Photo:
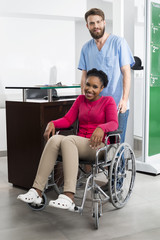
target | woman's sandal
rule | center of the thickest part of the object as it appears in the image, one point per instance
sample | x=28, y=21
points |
x=30, y=197
x=64, y=202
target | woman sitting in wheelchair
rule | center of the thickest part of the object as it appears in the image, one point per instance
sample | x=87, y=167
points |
x=96, y=116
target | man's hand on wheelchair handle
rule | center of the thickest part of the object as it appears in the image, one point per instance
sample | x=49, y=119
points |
x=96, y=138
x=122, y=106
x=50, y=129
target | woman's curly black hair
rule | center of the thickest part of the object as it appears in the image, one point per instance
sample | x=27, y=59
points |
x=100, y=74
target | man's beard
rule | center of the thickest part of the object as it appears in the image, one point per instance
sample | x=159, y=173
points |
x=97, y=35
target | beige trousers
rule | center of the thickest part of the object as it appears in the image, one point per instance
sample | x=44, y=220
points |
x=71, y=148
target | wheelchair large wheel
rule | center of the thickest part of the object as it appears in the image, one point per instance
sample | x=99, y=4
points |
x=122, y=175
x=39, y=207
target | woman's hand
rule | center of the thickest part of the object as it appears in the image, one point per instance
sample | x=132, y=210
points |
x=50, y=129
x=96, y=138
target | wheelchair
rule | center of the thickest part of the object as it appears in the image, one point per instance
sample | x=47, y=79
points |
x=116, y=162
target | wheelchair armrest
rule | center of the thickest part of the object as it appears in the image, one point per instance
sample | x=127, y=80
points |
x=118, y=131
x=66, y=131
x=113, y=136
x=72, y=130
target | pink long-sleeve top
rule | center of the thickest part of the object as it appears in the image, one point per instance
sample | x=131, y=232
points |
x=100, y=113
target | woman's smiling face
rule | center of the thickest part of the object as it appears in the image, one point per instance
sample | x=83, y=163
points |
x=93, y=87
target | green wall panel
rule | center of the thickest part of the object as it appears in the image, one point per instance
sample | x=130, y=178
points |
x=155, y=14
x=155, y=35
x=155, y=60
x=154, y=106
x=154, y=121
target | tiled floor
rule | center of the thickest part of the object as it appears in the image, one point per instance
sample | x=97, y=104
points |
x=138, y=220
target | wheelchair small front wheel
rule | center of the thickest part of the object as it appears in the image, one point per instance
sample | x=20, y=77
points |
x=96, y=210
x=96, y=215
x=41, y=206
x=122, y=175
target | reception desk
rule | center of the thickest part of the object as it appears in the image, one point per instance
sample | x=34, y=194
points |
x=26, y=122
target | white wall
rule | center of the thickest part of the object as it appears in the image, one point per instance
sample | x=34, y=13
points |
x=105, y=5
x=139, y=83
x=129, y=16
x=139, y=78
x=82, y=35
x=31, y=47
x=118, y=16
x=36, y=35
x=50, y=8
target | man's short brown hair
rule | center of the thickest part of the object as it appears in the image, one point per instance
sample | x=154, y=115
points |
x=94, y=11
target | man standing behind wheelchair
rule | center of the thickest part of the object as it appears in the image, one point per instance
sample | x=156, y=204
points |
x=96, y=116
x=111, y=54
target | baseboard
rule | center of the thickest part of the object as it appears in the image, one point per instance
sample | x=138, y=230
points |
x=3, y=153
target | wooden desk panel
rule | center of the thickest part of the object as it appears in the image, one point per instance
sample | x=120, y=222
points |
x=26, y=122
